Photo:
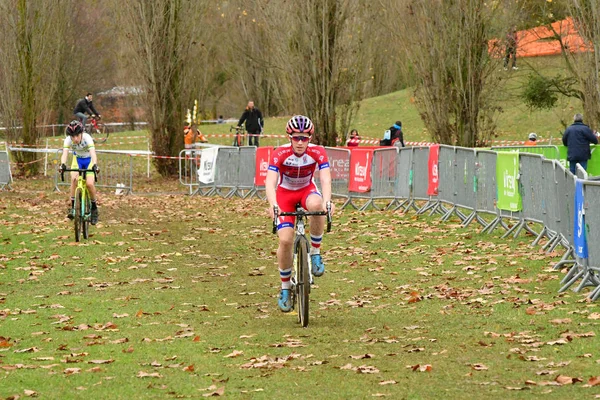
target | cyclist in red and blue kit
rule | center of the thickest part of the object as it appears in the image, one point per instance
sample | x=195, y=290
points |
x=289, y=182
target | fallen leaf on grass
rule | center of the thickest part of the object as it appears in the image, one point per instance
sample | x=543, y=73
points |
x=28, y=350
x=101, y=361
x=30, y=393
x=420, y=368
x=391, y=382
x=189, y=368
x=71, y=371
x=233, y=354
x=219, y=392
x=561, y=321
x=594, y=380
x=362, y=356
x=567, y=380
x=143, y=374
x=479, y=367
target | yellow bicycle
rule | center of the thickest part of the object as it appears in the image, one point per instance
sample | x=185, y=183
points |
x=83, y=202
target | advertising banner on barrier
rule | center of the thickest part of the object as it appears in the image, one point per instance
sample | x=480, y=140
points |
x=263, y=155
x=208, y=162
x=434, y=176
x=593, y=167
x=360, y=170
x=507, y=180
x=579, y=236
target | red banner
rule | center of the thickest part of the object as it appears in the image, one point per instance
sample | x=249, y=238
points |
x=434, y=178
x=360, y=170
x=263, y=156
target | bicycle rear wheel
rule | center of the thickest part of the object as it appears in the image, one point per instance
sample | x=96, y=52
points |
x=303, y=284
x=101, y=134
x=78, y=216
x=85, y=223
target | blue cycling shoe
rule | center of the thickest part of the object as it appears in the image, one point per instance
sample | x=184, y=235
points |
x=285, y=300
x=318, y=268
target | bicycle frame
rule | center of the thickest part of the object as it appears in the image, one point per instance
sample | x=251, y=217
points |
x=82, y=202
x=303, y=277
x=240, y=136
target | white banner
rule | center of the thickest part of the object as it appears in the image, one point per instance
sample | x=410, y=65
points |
x=208, y=162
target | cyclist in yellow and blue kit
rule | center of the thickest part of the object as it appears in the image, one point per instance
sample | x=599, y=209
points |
x=84, y=157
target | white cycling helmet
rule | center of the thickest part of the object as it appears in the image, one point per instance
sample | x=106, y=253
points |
x=532, y=136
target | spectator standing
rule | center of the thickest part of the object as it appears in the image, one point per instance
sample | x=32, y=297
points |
x=577, y=138
x=220, y=120
x=396, y=134
x=189, y=137
x=84, y=106
x=354, y=139
x=531, y=139
x=254, y=123
x=511, y=48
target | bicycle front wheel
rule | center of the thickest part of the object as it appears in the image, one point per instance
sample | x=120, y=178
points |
x=87, y=211
x=77, y=221
x=303, y=284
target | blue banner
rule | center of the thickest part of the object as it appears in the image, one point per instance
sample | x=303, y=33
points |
x=579, y=236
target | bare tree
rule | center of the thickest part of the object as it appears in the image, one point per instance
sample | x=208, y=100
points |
x=446, y=44
x=585, y=65
x=326, y=61
x=28, y=52
x=163, y=44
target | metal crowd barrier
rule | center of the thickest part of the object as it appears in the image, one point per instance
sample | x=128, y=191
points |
x=116, y=172
x=226, y=172
x=246, y=172
x=468, y=188
x=549, y=152
x=420, y=176
x=404, y=180
x=5, y=174
x=383, y=177
x=339, y=163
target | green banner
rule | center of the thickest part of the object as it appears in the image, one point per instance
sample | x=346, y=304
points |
x=593, y=168
x=549, y=152
x=507, y=181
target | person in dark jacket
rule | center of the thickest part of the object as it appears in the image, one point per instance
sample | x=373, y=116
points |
x=396, y=134
x=577, y=138
x=254, y=123
x=84, y=106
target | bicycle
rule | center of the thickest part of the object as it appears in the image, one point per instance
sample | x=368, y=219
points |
x=302, y=276
x=98, y=130
x=240, y=135
x=83, y=203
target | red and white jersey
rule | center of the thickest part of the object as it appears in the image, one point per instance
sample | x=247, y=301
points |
x=296, y=172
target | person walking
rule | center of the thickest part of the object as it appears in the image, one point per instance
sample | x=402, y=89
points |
x=577, y=138
x=254, y=123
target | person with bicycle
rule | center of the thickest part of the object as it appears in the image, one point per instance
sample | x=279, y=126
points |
x=289, y=182
x=84, y=157
x=84, y=106
x=254, y=123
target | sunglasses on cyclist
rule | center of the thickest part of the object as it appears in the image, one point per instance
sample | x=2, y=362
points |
x=300, y=138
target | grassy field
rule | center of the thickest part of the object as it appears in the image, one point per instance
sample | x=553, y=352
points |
x=175, y=297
